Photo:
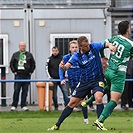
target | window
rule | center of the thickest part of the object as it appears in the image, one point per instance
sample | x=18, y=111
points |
x=62, y=41
x=3, y=50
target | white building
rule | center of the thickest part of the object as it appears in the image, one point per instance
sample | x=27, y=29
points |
x=45, y=23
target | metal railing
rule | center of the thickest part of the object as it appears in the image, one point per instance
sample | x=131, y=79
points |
x=3, y=88
x=39, y=80
x=3, y=99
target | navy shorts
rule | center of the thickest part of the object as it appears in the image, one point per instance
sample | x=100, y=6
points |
x=82, y=89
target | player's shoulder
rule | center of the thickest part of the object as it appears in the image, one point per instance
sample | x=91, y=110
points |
x=96, y=44
x=131, y=42
x=75, y=55
x=67, y=56
x=128, y=40
x=112, y=38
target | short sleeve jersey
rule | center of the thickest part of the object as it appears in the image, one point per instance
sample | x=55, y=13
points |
x=119, y=59
x=90, y=63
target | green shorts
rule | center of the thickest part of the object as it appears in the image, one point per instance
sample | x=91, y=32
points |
x=115, y=80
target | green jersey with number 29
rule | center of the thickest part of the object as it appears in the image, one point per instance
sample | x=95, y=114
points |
x=119, y=59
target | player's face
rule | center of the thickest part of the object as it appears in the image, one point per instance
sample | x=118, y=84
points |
x=73, y=48
x=129, y=30
x=85, y=47
x=55, y=51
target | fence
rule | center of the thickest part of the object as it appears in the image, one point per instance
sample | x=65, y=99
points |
x=3, y=89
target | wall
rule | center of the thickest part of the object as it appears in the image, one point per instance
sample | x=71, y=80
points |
x=37, y=36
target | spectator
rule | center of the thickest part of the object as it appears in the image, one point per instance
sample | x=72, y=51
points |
x=22, y=64
x=128, y=90
x=52, y=70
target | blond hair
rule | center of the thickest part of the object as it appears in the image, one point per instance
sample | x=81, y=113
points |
x=73, y=41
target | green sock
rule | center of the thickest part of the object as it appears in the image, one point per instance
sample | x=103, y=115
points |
x=91, y=99
x=107, y=111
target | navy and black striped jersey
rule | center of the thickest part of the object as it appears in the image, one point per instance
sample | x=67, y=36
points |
x=73, y=72
x=90, y=63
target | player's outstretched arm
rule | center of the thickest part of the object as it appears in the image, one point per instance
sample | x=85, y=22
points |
x=110, y=46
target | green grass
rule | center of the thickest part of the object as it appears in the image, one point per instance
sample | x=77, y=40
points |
x=39, y=121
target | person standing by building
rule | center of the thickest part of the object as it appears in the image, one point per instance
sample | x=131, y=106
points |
x=52, y=70
x=22, y=64
x=116, y=71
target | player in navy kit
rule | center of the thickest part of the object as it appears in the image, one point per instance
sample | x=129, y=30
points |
x=91, y=76
x=73, y=74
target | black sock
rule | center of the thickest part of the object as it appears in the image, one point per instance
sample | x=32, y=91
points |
x=99, y=109
x=85, y=112
x=66, y=112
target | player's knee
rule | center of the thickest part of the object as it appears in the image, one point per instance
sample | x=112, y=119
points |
x=98, y=100
x=72, y=104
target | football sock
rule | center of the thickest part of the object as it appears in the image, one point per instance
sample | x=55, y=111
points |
x=91, y=99
x=107, y=111
x=85, y=112
x=99, y=109
x=66, y=112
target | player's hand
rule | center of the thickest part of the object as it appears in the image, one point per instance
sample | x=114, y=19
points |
x=104, y=60
x=104, y=64
x=62, y=65
x=112, y=48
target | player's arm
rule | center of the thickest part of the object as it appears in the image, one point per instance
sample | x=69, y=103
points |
x=102, y=53
x=110, y=46
x=61, y=73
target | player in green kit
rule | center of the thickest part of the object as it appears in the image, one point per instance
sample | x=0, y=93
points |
x=116, y=71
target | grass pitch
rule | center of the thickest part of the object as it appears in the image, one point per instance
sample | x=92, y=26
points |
x=39, y=121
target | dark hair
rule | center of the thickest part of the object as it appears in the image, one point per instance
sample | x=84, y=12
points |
x=54, y=47
x=123, y=27
x=82, y=39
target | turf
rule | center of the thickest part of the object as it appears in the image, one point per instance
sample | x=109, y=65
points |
x=39, y=121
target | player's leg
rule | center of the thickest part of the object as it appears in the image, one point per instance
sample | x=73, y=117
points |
x=115, y=96
x=84, y=109
x=92, y=98
x=66, y=112
x=78, y=94
x=117, y=87
x=99, y=104
x=88, y=101
x=85, y=113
